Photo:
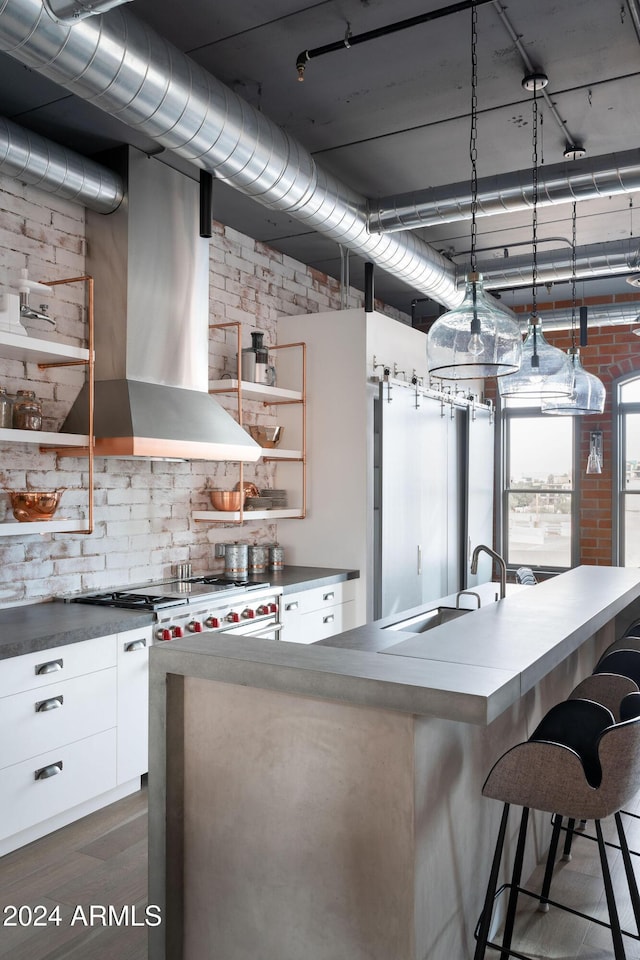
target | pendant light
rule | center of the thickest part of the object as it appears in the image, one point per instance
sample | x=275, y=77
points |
x=545, y=371
x=588, y=395
x=476, y=339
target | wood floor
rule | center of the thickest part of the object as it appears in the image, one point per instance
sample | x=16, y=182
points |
x=102, y=860
x=99, y=860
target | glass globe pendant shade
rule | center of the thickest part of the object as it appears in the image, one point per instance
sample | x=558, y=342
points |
x=545, y=371
x=475, y=340
x=588, y=394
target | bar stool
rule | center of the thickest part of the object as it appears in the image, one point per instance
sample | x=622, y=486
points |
x=616, y=674
x=581, y=764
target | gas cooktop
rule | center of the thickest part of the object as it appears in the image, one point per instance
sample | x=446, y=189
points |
x=171, y=593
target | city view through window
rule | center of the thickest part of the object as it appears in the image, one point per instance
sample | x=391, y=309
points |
x=540, y=490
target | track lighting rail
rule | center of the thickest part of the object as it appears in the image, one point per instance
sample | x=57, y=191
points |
x=350, y=40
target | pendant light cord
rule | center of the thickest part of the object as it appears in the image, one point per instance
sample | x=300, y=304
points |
x=473, y=144
x=473, y=156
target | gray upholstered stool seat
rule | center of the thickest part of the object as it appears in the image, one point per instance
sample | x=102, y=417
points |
x=580, y=764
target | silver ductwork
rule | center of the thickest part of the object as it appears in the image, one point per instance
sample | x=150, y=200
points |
x=151, y=273
x=33, y=159
x=126, y=69
x=599, y=315
x=70, y=11
x=592, y=260
x=558, y=183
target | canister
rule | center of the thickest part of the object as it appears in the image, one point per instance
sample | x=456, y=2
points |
x=276, y=557
x=236, y=560
x=27, y=411
x=258, y=557
x=6, y=413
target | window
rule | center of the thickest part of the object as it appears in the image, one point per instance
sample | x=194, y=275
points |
x=539, y=496
x=629, y=473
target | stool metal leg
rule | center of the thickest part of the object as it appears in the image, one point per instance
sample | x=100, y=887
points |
x=487, y=910
x=551, y=862
x=628, y=869
x=515, y=883
x=616, y=934
x=568, y=840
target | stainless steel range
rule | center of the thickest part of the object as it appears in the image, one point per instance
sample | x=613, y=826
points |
x=200, y=605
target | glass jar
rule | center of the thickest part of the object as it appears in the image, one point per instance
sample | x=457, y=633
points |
x=6, y=415
x=27, y=411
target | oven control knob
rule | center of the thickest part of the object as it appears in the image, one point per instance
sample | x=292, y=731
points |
x=163, y=634
x=262, y=609
x=233, y=617
x=248, y=614
x=178, y=632
x=195, y=626
x=212, y=622
x=273, y=608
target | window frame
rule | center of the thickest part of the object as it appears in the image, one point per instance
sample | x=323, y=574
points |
x=620, y=410
x=507, y=414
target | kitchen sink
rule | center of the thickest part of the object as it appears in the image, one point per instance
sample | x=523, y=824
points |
x=428, y=619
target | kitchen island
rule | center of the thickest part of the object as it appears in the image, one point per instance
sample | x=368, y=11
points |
x=325, y=801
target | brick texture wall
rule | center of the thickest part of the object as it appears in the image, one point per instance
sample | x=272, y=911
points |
x=143, y=509
x=612, y=352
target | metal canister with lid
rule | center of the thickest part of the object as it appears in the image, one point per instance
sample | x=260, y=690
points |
x=258, y=556
x=236, y=560
x=6, y=414
x=276, y=557
x=27, y=411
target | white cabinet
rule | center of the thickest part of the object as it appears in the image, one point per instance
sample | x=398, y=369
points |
x=79, y=731
x=133, y=703
x=320, y=612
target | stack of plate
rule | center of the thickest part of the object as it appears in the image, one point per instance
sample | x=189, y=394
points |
x=278, y=498
x=258, y=503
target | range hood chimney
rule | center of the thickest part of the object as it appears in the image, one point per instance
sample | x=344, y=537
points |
x=151, y=272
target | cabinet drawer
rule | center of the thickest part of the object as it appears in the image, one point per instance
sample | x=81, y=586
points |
x=318, y=598
x=87, y=769
x=34, y=670
x=60, y=713
x=320, y=624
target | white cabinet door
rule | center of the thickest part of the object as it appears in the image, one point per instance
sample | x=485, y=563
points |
x=438, y=493
x=133, y=703
x=402, y=544
x=480, y=492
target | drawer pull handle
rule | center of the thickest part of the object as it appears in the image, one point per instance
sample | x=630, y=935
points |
x=291, y=606
x=329, y=619
x=135, y=645
x=328, y=596
x=52, y=666
x=52, y=770
x=53, y=703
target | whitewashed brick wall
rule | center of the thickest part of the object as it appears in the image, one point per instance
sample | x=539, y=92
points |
x=143, y=508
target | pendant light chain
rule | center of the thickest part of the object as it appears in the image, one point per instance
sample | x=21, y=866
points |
x=573, y=276
x=534, y=195
x=473, y=144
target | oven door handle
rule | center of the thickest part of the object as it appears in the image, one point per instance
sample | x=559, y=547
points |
x=263, y=633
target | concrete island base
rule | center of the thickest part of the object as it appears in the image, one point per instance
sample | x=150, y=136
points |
x=291, y=826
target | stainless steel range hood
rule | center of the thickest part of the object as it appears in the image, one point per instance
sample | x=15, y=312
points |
x=151, y=272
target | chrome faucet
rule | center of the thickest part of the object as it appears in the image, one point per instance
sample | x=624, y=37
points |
x=496, y=556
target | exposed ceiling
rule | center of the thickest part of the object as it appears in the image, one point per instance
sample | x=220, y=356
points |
x=392, y=115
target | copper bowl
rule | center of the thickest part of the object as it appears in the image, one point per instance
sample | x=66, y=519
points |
x=226, y=499
x=266, y=436
x=29, y=505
